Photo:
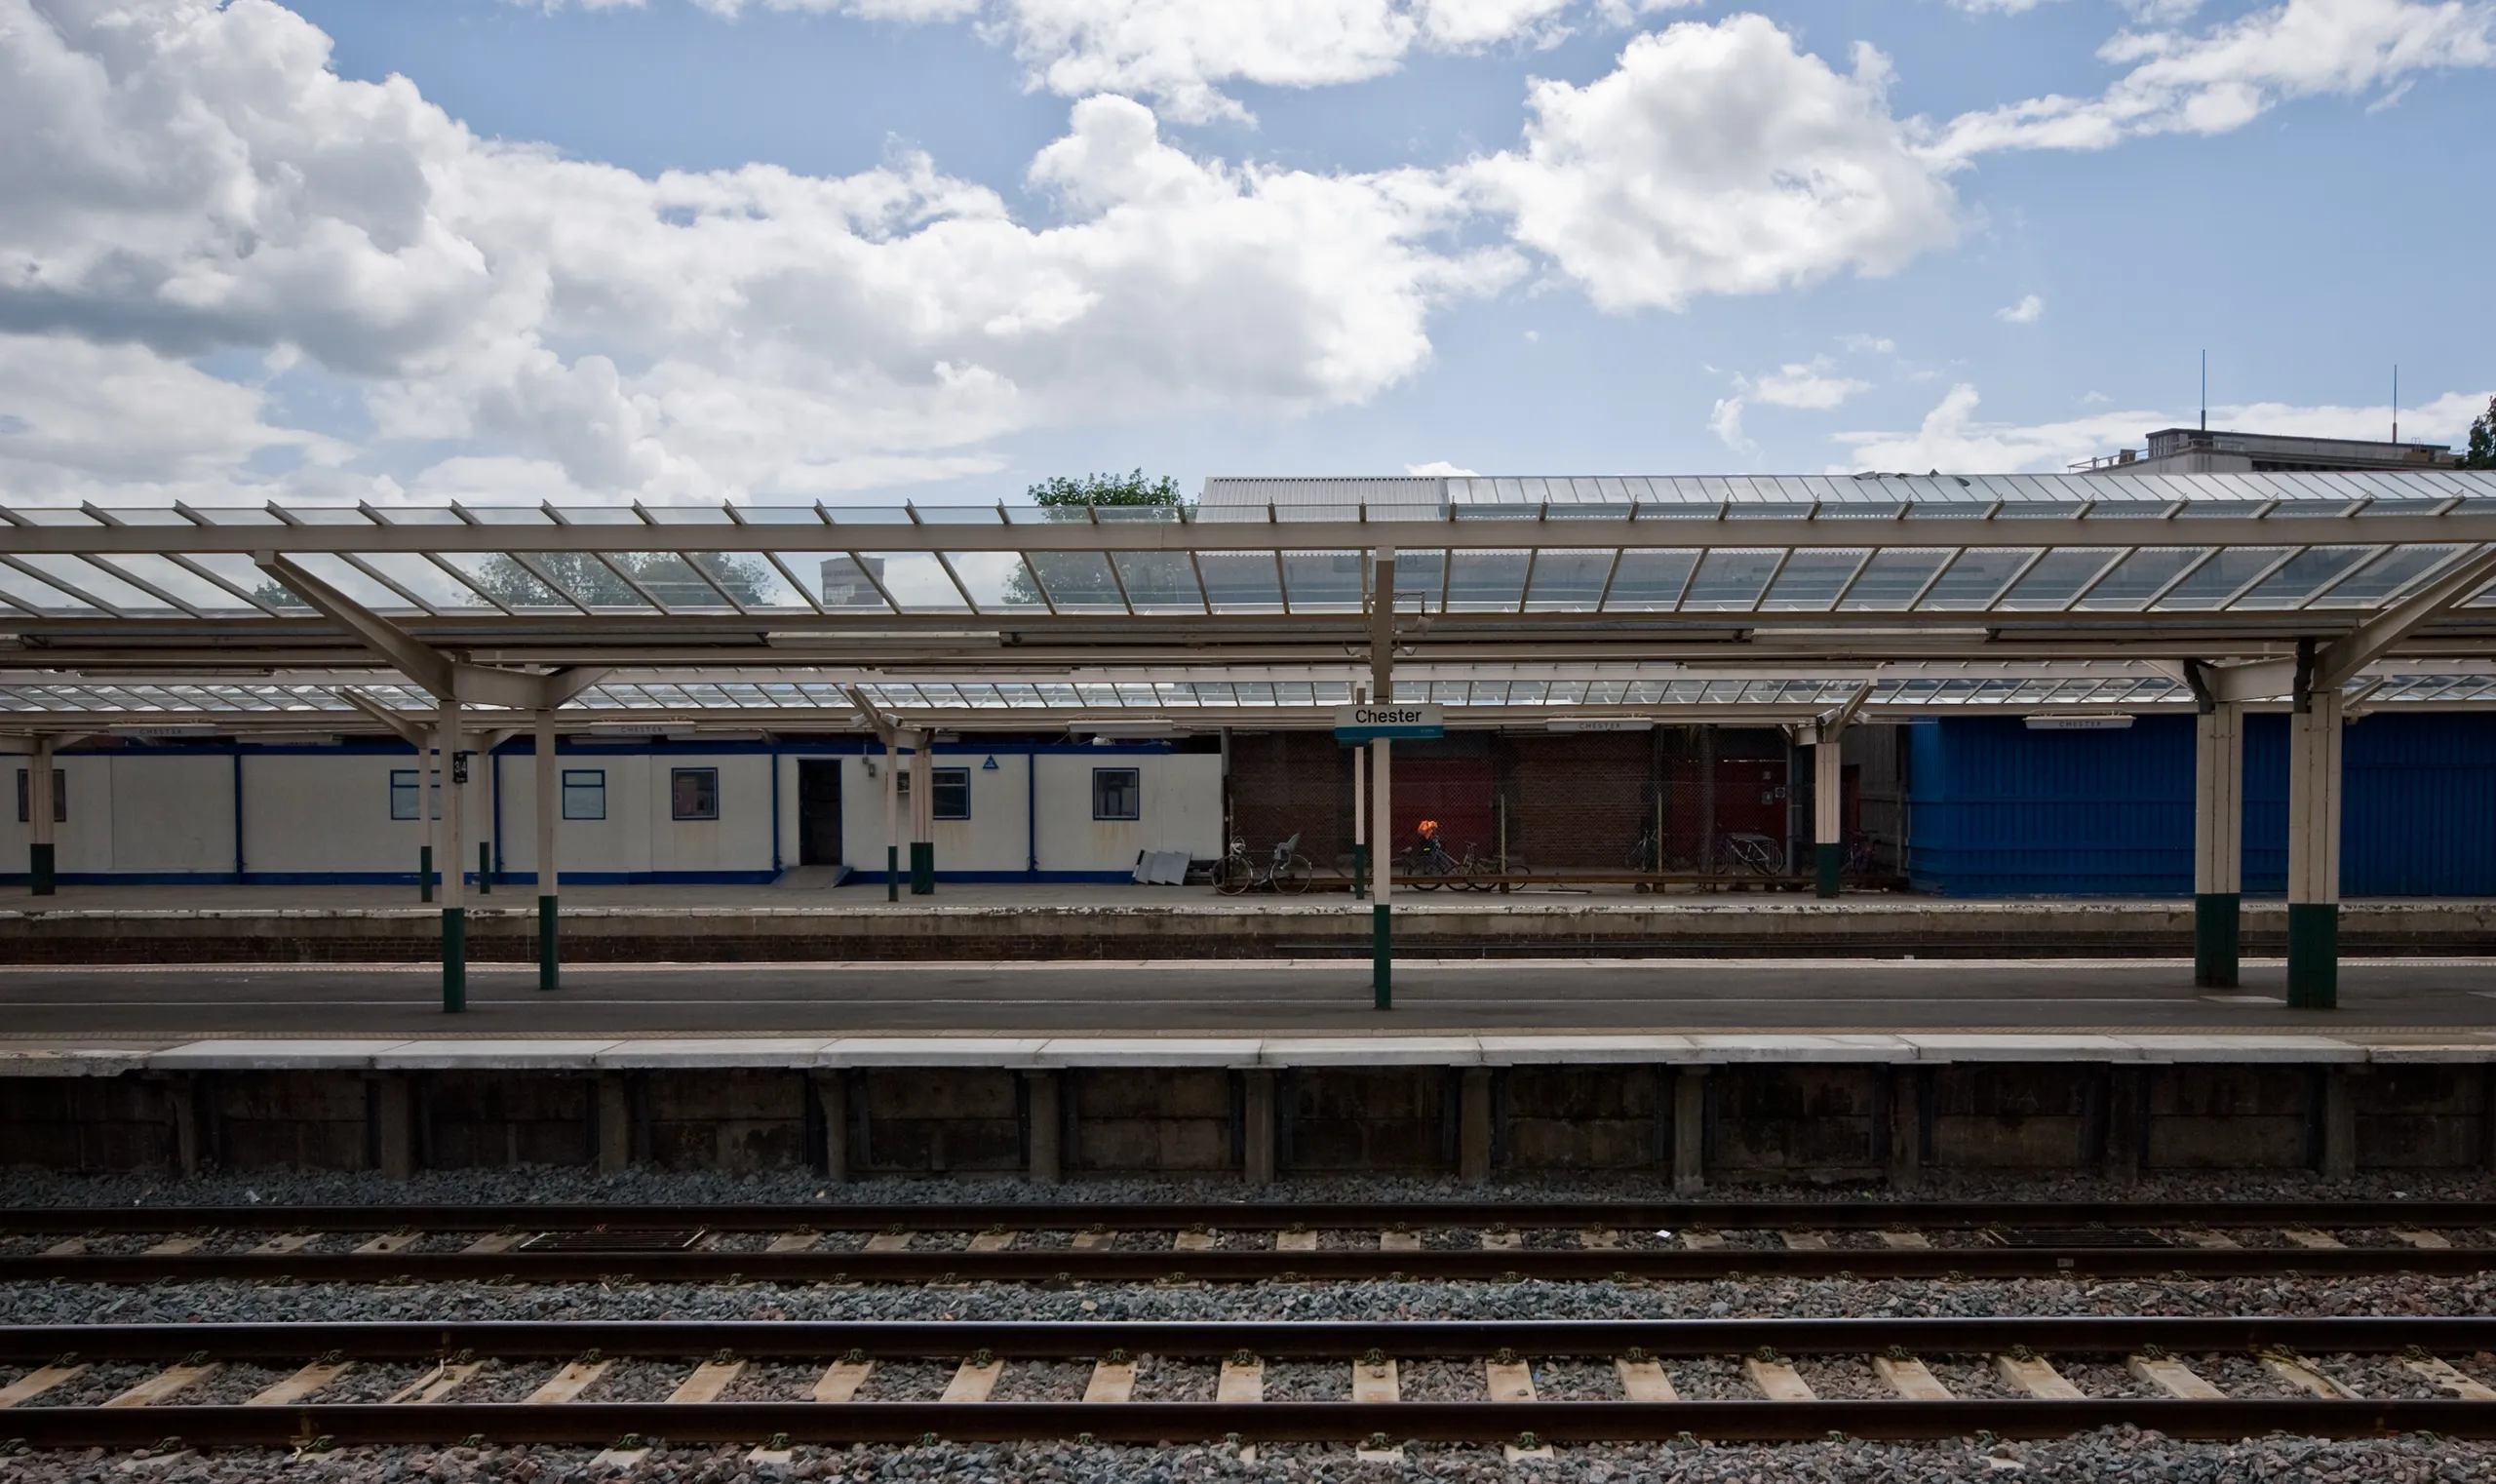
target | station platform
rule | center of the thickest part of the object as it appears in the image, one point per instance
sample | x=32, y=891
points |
x=1595, y=996
x=720, y=924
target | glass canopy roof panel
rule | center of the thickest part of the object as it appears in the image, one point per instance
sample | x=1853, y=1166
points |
x=1161, y=581
x=844, y=583
x=429, y=585
x=1891, y=580
x=1569, y=581
x=1650, y=581
x=1421, y=581
x=180, y=583
x=582, y=576
x=1324, y=581
x=1978, y=575
x=1076, y=581
x=1242, y=581
x=2210, y=585
x=2059, y=577
x=918, y=582
x=2381, y=580
x=1485, y=581
x=77, y=575
x=1812, y=579
x=509, y=584
x=750, y=578
x=1000, y=583
x=672, y=581
x=36, y=595
x=2306, y=573
x=1731, y=580
x=2139, y=577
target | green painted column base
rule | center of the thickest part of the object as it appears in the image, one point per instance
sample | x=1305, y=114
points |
x=485, y=867
x=424, y=873
x=1360, y=873
x=1827, y=861
x=2314, y=955
x=1382, y=958
x=2217, y=940
x=922, y=868
x=40, y=877
x=892, y=872
x=454, y=960
x=549, y=961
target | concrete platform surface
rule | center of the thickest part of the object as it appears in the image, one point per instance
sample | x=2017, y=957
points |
x=757, y=925
x=1229, y=997
x=44, y=1057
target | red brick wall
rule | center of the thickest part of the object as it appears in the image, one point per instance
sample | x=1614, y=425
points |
x=1578, y=799
x=1286, y=781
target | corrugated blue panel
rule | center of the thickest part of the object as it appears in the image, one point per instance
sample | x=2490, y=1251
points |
x=1999, y=810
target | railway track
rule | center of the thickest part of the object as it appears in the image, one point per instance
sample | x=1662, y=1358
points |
x=1068, y=1243
x=776, y=1385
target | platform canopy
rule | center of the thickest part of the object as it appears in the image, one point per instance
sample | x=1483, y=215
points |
x=1519, y=603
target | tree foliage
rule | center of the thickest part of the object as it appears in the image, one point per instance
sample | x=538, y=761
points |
x=2481, y=452
x=1131, y=488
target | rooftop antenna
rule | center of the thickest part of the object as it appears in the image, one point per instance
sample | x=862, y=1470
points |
x=2395, y=402
x=2206, y=391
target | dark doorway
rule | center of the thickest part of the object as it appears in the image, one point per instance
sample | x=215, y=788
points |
x=818, y=811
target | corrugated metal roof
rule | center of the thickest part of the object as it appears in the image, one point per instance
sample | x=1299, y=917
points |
x=1432, y=498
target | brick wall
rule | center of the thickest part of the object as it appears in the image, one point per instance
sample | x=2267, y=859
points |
x=1576, y=801
x=1283, y=782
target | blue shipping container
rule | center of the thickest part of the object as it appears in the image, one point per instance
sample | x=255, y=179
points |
x=2000, y=810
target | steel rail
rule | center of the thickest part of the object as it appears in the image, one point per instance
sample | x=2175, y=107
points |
x=319, y=1427
x=1048, y=1266
x=1284, y=1340
x=1258, y=1216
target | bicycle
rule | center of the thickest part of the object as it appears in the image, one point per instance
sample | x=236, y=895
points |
x=1427, y=860
x=1861, y=850
x=1748, y=853
x=1492, y=867
x=1286, y=871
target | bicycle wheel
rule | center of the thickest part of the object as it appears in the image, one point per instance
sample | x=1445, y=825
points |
x=1481, y=874
x=1294, y=876
x=1232, y=877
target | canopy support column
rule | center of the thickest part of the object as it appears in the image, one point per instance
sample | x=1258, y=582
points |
x=2218, y=844
x=892, y=819
x=1382, y=663
x=1361, y=819
x=454, y=913
x=1828, y=813
x=550, y=809
x=2313, y=842
x=41, y=836
x=922, y=815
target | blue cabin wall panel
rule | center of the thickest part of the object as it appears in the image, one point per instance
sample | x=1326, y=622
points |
x=2002, y=810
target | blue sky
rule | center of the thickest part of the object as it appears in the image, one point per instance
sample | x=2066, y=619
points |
x=863, y=249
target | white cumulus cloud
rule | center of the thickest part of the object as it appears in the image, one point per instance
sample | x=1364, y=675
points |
x=2233, y=73
x=1718, y=159
x=1439, y=467
x=1183, y=52
x=184, y=177
x=2028, y=311
x=1952, y=439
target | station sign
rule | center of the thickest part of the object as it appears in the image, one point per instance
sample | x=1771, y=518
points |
x=2083, y=723
x=1369, y=724
x=1600, y=724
